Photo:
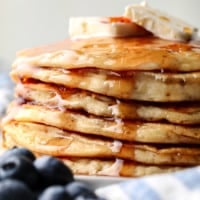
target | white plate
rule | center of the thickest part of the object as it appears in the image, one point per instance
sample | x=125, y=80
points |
x=100, y=181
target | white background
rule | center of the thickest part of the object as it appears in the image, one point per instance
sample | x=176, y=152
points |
x=28, y=23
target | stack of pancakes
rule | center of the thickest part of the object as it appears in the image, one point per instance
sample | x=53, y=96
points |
x=109, y=106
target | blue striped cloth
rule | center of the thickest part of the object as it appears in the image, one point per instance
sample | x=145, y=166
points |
x=182, y=185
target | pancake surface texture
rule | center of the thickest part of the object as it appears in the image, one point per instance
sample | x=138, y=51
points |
x=117, y=129
x=62, y=98
x=118, y=54
x=146, y=86
x=53, y=141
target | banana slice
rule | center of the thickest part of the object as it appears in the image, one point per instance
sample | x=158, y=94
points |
x=85, y=27
x=159, y=23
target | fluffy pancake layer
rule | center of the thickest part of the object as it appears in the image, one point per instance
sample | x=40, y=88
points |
x=118, y=54
x=62, y=98
x=50, y=140
x=147, y=86
x=101, y=167
x=117, y=129
x=116, y=167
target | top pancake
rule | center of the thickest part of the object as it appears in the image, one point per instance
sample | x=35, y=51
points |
x=118, y=54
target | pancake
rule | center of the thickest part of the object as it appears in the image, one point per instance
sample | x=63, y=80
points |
x=105, y=167
x=56, y=142
x=134, y=53
x=59, y=97
x=116, y=129
x=146, y=86
x=114, y=168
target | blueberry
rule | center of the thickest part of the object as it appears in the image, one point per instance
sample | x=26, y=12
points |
x=53, y=171
x=19, y=168
x=18, y=151
x=14, y=190
x=55, y=192
x=79, y=190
